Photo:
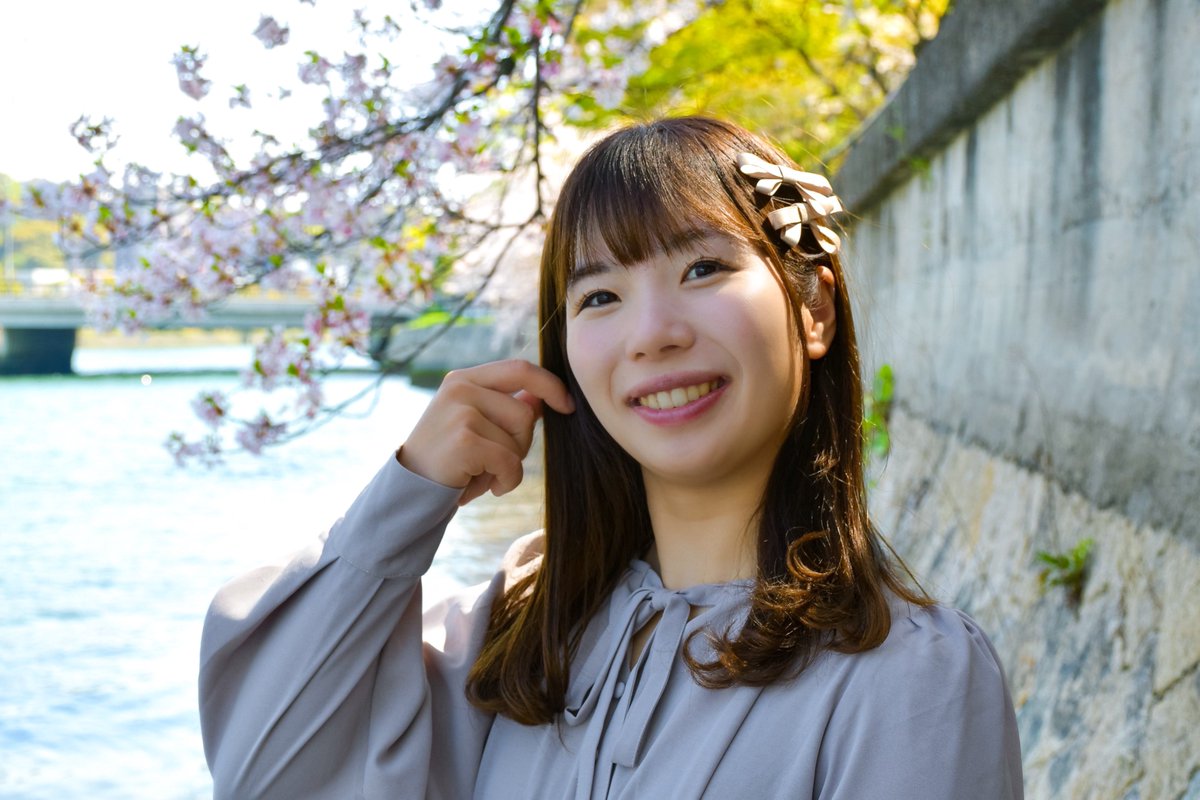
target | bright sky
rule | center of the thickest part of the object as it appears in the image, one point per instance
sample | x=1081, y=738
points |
x=63, y=58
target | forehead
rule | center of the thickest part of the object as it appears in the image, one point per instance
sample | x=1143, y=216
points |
x=593, y=247
x=595, y=258
x=627, y=209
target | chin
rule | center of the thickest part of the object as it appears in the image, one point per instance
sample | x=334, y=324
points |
x=686, y=472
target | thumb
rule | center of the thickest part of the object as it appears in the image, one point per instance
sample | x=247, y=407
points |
x=476, y=487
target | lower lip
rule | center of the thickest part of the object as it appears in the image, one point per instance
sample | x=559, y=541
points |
x=681, y=414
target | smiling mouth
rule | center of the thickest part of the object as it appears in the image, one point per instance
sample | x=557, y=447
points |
x=679, y=396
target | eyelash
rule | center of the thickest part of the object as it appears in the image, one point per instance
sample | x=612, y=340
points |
x=719, y=267
x=586, y=300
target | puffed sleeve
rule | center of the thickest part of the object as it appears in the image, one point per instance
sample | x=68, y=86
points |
x=926, y=716
x=315, y=677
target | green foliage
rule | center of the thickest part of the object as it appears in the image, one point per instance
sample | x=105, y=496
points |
x=33, y=244
x=1068, y=569
x=431, y=318
x=877, y=410
x=32, y=239
x=437, y=316
x=919, y=166
x=808, y=72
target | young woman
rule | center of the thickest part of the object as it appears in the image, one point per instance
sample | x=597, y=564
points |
x=709, y=611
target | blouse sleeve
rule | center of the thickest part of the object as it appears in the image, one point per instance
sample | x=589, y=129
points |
x=315, y=680
x=925, y=716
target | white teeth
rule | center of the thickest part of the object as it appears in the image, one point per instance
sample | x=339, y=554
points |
x=677, y=397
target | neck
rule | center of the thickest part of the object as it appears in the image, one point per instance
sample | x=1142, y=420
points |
x=704, y=534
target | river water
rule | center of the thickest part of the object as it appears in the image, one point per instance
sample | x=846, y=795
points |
x=112, y=553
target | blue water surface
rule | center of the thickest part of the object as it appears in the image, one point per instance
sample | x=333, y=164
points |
x=112, y=553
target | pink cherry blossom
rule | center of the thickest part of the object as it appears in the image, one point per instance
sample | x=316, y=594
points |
x=261, y=432
x=271, y=33
x=94, y=136
x=315, y=70
x=207, y=450
x=241, y=97
x=211, y=407
x=188, y=62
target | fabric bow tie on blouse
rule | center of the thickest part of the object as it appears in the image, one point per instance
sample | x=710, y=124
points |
x=635, y=692
x=818, y=202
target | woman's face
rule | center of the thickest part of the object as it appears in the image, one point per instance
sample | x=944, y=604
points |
x=689, y=359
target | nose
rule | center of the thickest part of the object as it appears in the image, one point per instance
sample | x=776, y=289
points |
x=657, y=328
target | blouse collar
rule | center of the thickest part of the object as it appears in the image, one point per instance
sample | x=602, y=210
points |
x=638, y=596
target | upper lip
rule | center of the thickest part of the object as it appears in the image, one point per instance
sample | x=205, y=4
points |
x=674, y=380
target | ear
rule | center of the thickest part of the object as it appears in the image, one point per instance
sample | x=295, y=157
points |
x=820, y=319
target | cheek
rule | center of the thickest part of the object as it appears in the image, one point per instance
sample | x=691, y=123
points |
x=771, y=333
x=586, y=356
x=760, y=318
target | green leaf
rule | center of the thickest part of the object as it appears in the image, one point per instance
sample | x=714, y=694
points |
x=429, y=319
x=1059, y=561
x=884, y=384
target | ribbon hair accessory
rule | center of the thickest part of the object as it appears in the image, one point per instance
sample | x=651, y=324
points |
x=817, y=204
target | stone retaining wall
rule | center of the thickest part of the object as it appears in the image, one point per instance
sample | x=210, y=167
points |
x=1107, y=690
x=1029, y=264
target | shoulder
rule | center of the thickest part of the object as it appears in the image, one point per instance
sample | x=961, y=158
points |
x=932, y=699
x=933, y=642
x=458, y=622
x=523, y=558
x=935, y=660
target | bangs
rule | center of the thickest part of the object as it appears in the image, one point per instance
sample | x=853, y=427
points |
x=647, y=192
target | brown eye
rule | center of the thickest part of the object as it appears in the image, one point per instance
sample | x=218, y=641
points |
x=702, y=269
x=596, y=299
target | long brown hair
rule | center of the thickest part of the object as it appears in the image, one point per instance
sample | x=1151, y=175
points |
x=823, y=572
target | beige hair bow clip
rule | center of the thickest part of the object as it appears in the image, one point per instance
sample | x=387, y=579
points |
x=818, y=202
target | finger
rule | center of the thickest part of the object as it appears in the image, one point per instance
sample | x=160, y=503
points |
x=491, y=433
x=514, y=414
x=502, y=472
x=533, y=401
x=441, y=446
x=516, y=374
x=478, y=485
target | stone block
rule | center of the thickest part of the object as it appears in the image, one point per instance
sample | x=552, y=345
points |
x=1173, y=740
x=1178, y=651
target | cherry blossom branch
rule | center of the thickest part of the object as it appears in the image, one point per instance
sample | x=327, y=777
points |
x=370, y=216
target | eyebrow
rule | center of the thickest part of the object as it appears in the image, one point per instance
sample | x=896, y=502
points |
x=680, y=240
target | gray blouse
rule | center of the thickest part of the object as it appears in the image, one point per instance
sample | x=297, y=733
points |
x=320, y=678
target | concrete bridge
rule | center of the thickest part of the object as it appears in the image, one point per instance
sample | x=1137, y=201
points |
x=40, y=325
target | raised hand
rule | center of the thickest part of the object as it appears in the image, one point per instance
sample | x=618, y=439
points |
x=480, y=424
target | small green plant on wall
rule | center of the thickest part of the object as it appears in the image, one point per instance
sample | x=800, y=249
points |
x=877, y=407
x=1068, y=570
